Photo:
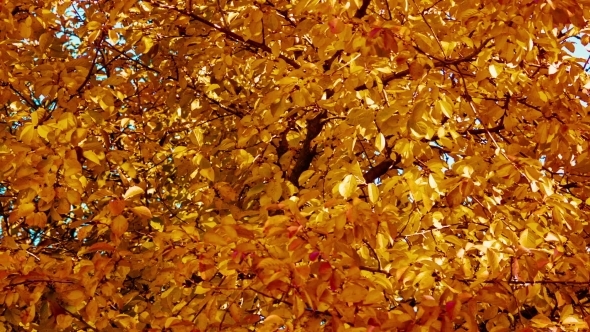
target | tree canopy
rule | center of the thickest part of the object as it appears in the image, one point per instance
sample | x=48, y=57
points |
x=294, y=165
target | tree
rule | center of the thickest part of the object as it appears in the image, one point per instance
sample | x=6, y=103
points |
x=310, y=165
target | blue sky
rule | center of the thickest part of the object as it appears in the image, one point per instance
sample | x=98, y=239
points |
x=580, y=51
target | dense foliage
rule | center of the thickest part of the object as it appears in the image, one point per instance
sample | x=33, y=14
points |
x=294, y=165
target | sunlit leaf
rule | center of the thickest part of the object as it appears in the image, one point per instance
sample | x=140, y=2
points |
x=373, y=192
x=348, y=186
x=132, y=192
x=142, y=211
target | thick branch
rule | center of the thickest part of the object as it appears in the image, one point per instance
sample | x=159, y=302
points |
x=384, y=166
x=380, y=169
x=362, y=11
x=495, y=129
x=307, y=153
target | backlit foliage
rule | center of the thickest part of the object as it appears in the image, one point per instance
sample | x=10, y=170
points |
x=302, y=165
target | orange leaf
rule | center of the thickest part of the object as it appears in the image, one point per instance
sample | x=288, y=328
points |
x=325, y=270
x=336, y=25
x=100, y=246
x=515, y=269
x=116, y=206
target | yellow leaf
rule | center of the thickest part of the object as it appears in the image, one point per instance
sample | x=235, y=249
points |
x=43, y=131
x=113, y=36
x=38, y=219
x=90, y=155
x=374, y=296
x=100, y=246
x=416, y=70
x=25, y=28
x=26, y=209
x=432, y=181
x=236, y=312
x=354, y=293
x=275, y=320
x=94, y=25
x=528, y=239
x=133, y=191
x=495, y=70
x=493, y=259
x=380, y=142
x=445, y=107
x=148, y=43
x=170, y=321
x=308, y=174
x=348, y=186
x=551, y=237
x=541, y=321
x=208, y=173
x=373, y=192
x=212, y=238
x=225, y=191
x=573, y=320
x=274, y=190
x=298, y=306
x=270, y=263
x=157, y=225
x=142, y=211
x=74, y=297
x=28, y=133
x=298, y=98
x=64, y=321
x=91, y=310
x=119, y=225
x=73, y=197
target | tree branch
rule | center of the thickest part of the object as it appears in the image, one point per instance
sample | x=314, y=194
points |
x=381, y=168
x=19, y=94
x=89, y=75
x=307, y=153
x=230, y=34
x=437, y=64
x=362, y=11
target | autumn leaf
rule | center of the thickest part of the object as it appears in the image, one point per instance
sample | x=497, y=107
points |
x=373, y=192
x=74, y=297
x=116, y=207
x=347, y=187
x=353, y=293
x=336, y=25
x=142, y=211
x=119, y=225
x=132, y=192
